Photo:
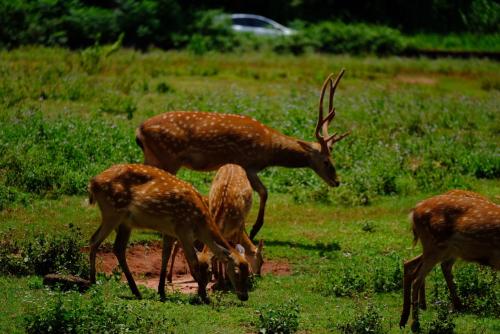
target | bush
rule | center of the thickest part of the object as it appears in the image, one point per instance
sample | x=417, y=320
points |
x=444, y=322
x=387, y=274
x=42, y=254
x=337, y=37
x=92, y=314
x=210, y=31
x=348, y=282
x=367, y=321
x=479, y=289
x=283, y=319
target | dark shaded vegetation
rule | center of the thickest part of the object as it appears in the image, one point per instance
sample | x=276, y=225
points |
x=357, y=27
x=478, y=290
x=91, y=313
x=41, y=254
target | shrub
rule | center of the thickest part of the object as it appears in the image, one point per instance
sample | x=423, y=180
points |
x=479, y=289
x=444, y=322
x=367, y=321
x=283, y=319
x=348, y=282
x=337, y=37
x=387, y=274
x=93, y=314
x=42, y=254
x=210, y=31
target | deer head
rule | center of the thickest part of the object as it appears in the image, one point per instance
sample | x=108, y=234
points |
x=237, y=270
x=320, y=151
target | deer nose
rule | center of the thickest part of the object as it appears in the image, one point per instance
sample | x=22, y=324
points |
x=243, y=296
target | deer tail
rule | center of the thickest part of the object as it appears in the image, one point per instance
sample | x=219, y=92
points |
x=91, y=189
x=138, y=138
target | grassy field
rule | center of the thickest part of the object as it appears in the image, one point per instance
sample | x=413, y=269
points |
x=419, y=127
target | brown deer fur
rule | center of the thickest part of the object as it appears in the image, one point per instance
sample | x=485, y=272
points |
x=458, y=224
x=140, y=196
x=205, y=141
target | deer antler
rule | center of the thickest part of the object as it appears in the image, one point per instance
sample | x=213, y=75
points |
x=324, y=138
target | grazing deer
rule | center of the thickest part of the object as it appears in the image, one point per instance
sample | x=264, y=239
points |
x=140, y=196
x=230, y=201
x=458, y=224
x=205, y=141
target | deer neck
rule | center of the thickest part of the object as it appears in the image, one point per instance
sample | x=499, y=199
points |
x=289, y=152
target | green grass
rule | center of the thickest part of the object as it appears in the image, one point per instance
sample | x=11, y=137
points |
x=319, y=241
x=419, y=127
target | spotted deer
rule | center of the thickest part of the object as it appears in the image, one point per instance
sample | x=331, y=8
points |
x=205, y=141
x=230, y=201
x=140, y=196
x=457, y=224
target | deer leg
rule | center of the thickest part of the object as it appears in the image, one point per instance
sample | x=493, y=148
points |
x=447, y=266
x=427, y=264
x=107, y=225
x=215, y=268
x=168, y=242
x=119, y=248
x=257, y=185
x=172, y=262
x=422, y=303
x=410, y=272
x=196, y=269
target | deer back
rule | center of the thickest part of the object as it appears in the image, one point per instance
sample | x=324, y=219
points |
x=151, y=197
x=230, y=201
x=467, y=225
x=204, y=141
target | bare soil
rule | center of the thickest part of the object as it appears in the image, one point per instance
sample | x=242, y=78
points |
x=416, y=79
x=144, y=262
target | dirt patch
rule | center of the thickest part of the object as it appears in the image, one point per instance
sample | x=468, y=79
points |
x=416, y=79
x=144, y=262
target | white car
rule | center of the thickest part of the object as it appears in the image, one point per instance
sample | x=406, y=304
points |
x=258, y=25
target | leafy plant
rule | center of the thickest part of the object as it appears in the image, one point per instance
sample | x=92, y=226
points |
x=42, y=254
x=74, y=313
x=91, y=58
x=444, y=322
x=346, y=282
x=283, y=319
x=368, y=320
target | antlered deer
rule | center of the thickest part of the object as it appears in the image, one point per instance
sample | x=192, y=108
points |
x=458, y=224
x=205, y=141
x=140, y=196
x=230, y=201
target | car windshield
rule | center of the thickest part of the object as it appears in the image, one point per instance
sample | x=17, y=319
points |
x=251, y=22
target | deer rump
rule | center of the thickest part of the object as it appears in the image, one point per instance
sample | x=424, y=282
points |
x=458, y=224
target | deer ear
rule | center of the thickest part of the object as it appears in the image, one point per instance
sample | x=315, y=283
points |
x=261, y=245
x=240, y=249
